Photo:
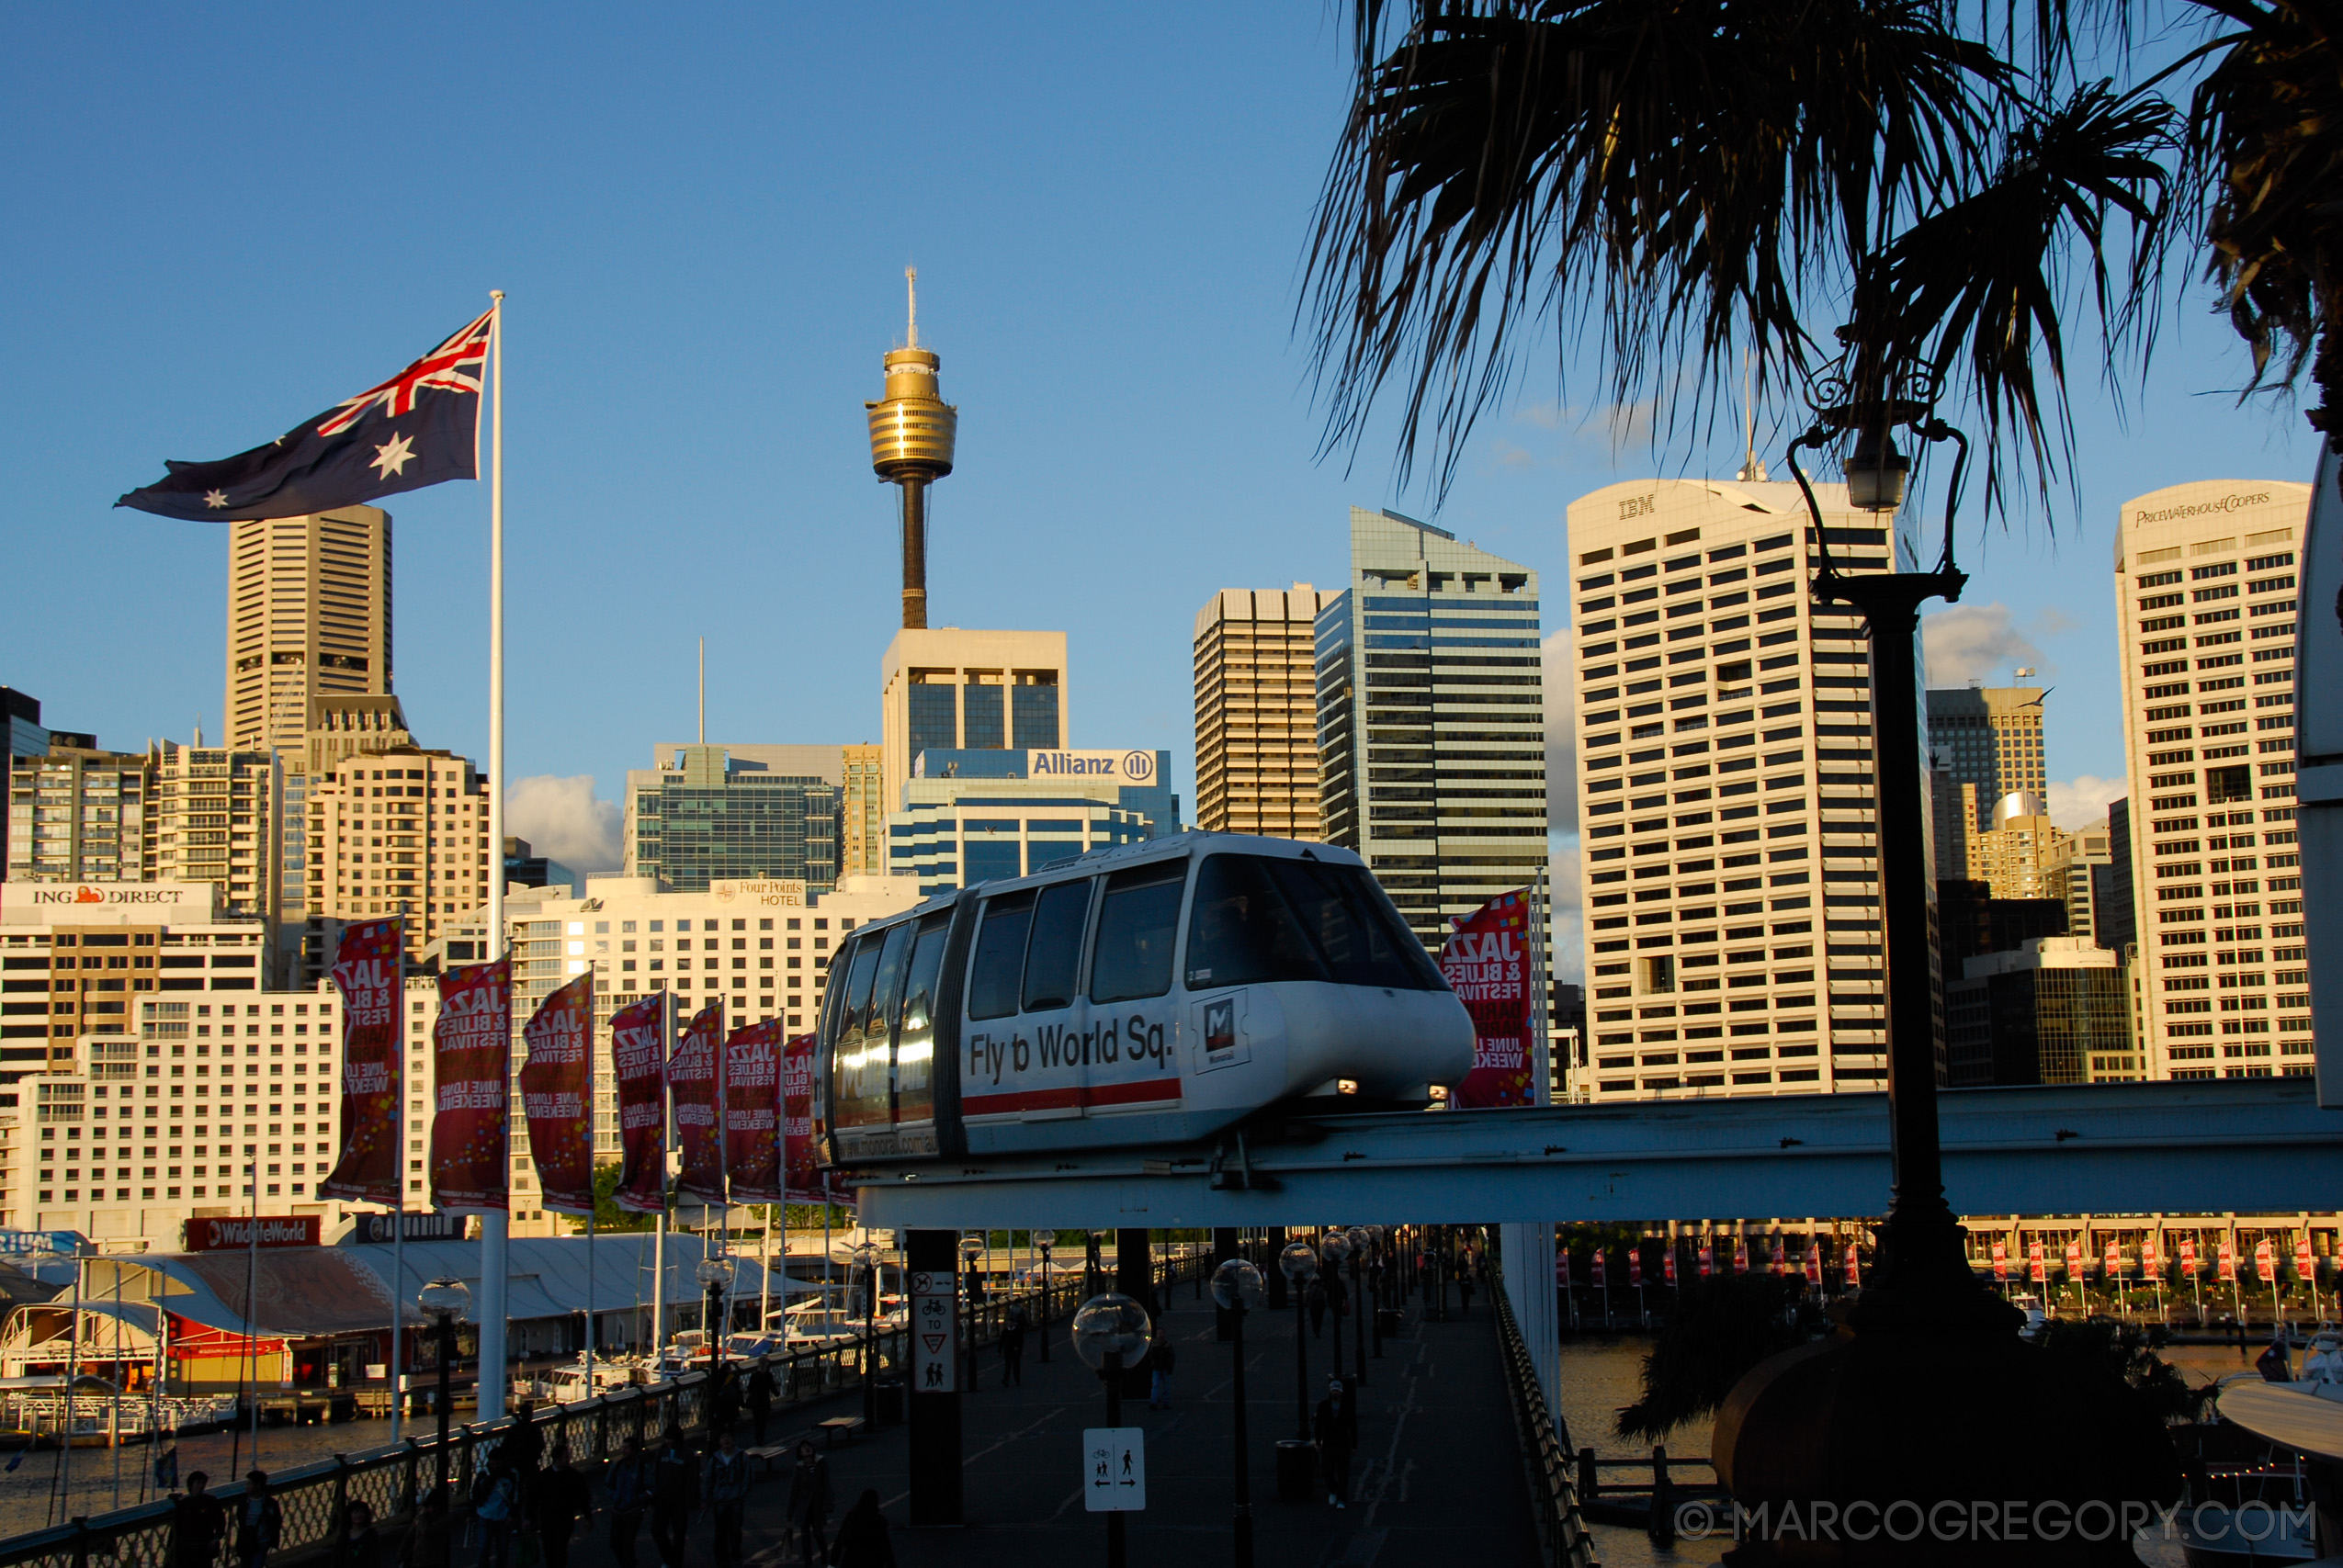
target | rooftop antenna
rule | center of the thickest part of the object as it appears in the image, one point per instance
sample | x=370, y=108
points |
x=703, y=691
x=912, y=294
x=1752, y=472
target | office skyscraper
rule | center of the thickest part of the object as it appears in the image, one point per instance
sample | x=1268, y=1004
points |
x=2205, y=584
x=727, y=813
x=1430, y=720
x=1257, y=711
x=309, y=616
x=1985, y=743
x=967, y=691
x=861, y=842
x=1731, y=870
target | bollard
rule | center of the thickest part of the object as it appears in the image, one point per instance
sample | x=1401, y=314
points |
x=1589, y=1477
x=1660, y=1526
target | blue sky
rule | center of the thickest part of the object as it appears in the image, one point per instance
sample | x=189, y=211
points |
x=214, y=222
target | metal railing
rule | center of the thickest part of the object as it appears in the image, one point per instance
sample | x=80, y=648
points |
x=1562, y=1532
x=314, y=1498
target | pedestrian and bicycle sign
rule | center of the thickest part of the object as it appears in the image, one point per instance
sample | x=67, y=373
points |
x=935, y=1333
x=1115, y=1478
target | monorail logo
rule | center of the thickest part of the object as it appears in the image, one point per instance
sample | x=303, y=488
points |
x=2234, y=502
x=1131, y=767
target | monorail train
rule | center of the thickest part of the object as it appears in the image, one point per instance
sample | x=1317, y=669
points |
x=1147, y=994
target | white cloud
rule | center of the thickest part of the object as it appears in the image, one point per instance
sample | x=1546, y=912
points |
x=1973, y=642
x=562, y=820
x=1561, y=733
x=2084, y=800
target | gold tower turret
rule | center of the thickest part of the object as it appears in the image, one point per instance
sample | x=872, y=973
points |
x=911, y=431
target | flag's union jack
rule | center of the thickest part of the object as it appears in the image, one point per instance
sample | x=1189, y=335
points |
x=455, y=365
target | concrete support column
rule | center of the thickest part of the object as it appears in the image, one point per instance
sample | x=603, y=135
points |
x=932, y=1260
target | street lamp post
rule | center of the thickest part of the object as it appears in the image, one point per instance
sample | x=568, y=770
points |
x=446, y=1302
x=1045, y=1240
x=1334, y=1246
x=971, y=1249
x=865, y=1261
x=715, y=1275
x=1108, y=1328
x=1236, y=1290
x=1362, y=1244
x=1298, y=1263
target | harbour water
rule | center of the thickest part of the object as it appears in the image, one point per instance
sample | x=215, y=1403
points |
x=42, y=1487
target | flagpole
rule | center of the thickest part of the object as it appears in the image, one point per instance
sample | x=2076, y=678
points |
x=492, y=1224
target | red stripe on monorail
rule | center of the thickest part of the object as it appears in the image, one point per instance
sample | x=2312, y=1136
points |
x=1139, y=1092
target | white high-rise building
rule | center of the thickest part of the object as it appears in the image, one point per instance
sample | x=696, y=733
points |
x=2206, y=585
x=1730, y=870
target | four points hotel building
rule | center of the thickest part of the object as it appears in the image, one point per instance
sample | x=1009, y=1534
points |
x=1431, y=720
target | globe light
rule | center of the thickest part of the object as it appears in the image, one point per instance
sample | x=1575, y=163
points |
x=447, y=1300
x=1876, y=472
x=1334, y=1246
x=714, y=1272
x=1298, y=1262
x=1237, y=1284
x=972, y=1247
x=1361, y=1240
x=865, y=1255
x=1107, y=1323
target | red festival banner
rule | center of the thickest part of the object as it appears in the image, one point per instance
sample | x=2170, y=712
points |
x=639, y=1061
x=472, y=1047
x=694, y=1085
x=752, y=1112
x=1487, y=964
x=800, y=1169
x=557, y=1081
x=369, y=972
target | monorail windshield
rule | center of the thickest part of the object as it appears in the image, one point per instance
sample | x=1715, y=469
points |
x=1259, y=919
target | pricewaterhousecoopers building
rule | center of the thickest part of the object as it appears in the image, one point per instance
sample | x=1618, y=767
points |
x=1431, y=719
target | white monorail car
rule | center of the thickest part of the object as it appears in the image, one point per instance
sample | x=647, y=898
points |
x=1149, y=994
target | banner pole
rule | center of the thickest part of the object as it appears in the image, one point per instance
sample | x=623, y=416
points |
x=398, y=1277
x=492, y=1224
x=658, y=1241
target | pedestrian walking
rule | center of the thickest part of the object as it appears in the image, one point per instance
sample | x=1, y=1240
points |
x=762, y=1391
x=1013, y=1348
x=862, y=1536
x=728, y=1495
x=259, y=1522
x=565, y=1496
x=198, y=1521
x=356, y=1546
x=1464, y=1292
x=724, y=1402
x=427, y=1543
x=629, y=1483
x=807, y=1511
x=1336, y=1435
x=496, y=1503
x=166, y=1469
x=1160, y=1359
x=675, y=1488
x=1316, y=1297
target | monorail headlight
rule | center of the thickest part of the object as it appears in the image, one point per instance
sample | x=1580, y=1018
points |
x=1439, y=1095
x=1346, y=1085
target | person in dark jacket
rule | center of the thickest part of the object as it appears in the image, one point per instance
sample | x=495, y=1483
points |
x=724, y=1402
x=1160, y=1359
x=762, y=1391
x=862, y=1536
x=198, y=1521
x=728, y=1496
x=357, y=1546
x=1464, y=1292
x=1013, y=1348
x=629, y=1483
x=675, y=1488
x=563, y=1498
x=259, y=1522
x=1335, y=1434
x=808, y=1512
x=1315, y=1298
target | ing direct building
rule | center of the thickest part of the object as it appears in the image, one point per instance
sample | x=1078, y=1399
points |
x=2206, y=591
x=1730, y=868
x=1431, y=720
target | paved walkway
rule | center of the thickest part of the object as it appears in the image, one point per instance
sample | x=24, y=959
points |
x=1438, y=1476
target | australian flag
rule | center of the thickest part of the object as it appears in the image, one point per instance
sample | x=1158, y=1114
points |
x=421, y=427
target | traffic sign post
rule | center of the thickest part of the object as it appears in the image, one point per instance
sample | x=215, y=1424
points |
x=1115, y=1468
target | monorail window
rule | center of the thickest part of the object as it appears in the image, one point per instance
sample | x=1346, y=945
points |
x=863, y=1096
x=1053, y=956
x=1138, y=925
x=1357, y=932
x=1260, y=919
x=1241, y=930
x=915, y=1040
x=999, y=955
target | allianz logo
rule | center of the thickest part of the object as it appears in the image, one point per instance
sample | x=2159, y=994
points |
x=1136, y=767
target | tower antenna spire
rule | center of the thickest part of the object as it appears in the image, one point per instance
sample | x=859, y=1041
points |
x=911, y=291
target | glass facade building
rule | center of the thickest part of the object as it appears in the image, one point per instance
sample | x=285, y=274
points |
x=1431, y=720
x=982, y=816
x=715, y=813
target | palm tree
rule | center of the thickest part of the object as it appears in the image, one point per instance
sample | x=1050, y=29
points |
x=1702, y=185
